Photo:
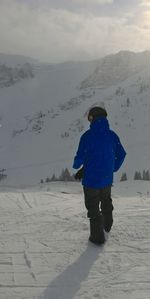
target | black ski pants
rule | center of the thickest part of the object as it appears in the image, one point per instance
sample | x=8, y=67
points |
x=98, y=202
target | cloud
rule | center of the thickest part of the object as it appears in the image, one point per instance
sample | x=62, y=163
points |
x=145, y=3
x=93, y=2
x=56, y=35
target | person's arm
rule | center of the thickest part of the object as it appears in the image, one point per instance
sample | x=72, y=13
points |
x=120, y=154
x=80, y=155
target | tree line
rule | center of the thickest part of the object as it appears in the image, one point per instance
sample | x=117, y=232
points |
x=64, y=176
x=138, y=175
x=67, y=176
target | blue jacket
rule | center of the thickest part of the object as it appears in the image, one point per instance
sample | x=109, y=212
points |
x=101, y=153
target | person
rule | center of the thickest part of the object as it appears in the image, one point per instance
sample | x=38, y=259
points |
x=100, y=153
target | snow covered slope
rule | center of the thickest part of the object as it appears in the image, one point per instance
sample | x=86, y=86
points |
x=42, y=117
x=15, y=60
x=116, y=68
x=44, y=248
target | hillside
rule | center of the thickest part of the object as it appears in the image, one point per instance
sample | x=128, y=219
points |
x=116, y=68
x=43, y=116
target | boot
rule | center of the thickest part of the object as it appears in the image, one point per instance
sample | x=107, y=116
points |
x=108, y=222
x=96, y=230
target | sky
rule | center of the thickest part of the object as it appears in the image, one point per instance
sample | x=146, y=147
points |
x=63, y=30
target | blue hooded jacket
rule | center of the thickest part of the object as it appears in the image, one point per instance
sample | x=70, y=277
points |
x=101, y=153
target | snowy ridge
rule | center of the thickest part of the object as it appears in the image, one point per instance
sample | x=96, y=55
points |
x=16, y=60
x=116, y=68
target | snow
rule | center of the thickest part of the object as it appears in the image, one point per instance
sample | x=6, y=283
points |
x=15, y=60
x=44, y=248
x=28, y=154
x=42, y=118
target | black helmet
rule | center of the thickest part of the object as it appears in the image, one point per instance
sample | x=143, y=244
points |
x=96, y=112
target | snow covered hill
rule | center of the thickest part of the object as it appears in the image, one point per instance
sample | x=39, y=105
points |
x=44, y=248
x=12, y=75
x=116, y=68
x=15, y=60
x=43, y=116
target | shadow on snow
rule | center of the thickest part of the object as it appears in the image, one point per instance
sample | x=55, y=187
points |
x=67, y=284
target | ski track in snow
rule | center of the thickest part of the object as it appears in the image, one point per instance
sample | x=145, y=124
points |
x=45, y=253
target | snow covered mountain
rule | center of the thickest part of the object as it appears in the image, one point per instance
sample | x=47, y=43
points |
x=116, y=68
x=15, y=60
x=43, y=115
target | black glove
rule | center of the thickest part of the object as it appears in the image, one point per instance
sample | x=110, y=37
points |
x=79, y=174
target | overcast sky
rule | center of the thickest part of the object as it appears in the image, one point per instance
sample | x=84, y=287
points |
x=60, y=30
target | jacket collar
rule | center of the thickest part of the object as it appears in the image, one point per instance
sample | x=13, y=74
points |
x=101, y=123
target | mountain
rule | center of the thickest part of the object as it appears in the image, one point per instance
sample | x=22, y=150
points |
x=15, y=60
x=116, y=68
x=42, y=116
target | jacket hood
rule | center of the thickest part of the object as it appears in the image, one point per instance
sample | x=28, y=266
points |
x=100, y=124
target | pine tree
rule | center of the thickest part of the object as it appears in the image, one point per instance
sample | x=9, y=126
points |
x=146, y=175
x=2, y=174
x=137, y=175
x=65, y=175
x=53, y=178
x=47, y=180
